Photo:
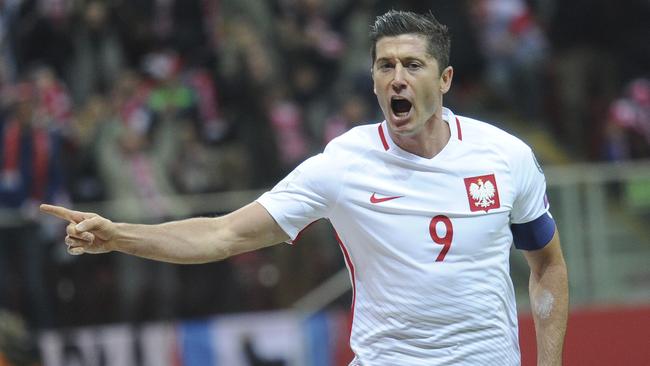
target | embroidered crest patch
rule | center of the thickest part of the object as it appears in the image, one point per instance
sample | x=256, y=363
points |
x=482, y=193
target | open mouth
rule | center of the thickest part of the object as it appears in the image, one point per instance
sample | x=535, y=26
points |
x=400, y=106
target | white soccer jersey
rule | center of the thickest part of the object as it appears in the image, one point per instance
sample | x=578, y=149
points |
x=426, y=241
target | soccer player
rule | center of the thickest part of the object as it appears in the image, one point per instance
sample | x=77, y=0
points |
x=426, y=206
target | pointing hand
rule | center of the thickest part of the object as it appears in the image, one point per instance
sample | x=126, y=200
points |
x=86, y=233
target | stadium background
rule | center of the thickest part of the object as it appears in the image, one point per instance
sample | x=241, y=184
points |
x=151, y=110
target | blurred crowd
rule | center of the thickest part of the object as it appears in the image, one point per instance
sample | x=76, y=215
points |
x=137, y=102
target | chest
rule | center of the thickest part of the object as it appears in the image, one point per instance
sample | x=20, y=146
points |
x=456, y=210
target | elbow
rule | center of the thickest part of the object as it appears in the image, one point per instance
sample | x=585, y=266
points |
x=556, y=269
x=218, y=240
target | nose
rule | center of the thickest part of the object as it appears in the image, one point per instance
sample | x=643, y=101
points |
x=398, y=82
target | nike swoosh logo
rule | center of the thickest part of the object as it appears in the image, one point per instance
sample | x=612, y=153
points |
x=374, y=199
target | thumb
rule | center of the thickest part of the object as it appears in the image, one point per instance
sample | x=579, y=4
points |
x=90, y=224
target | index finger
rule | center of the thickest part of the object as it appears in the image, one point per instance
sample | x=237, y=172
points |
x=63, y=213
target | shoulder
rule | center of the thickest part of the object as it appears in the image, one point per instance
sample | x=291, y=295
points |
x=484, y=135
x=343, y=154
x=340, y=154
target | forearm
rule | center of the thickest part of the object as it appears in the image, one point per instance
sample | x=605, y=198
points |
x=196, y=240
x=549, y=297
x=200, y=240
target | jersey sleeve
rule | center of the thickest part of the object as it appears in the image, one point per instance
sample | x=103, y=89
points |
x=304, y=196
x=531, y=223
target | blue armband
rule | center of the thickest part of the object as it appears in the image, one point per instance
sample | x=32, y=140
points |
x=535, y=234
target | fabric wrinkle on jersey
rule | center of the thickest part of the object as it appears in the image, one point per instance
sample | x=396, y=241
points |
x=413, y=304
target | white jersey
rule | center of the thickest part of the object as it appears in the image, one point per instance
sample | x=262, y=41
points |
x=426, y=241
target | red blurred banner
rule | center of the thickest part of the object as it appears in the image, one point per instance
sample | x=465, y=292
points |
x=599, y=336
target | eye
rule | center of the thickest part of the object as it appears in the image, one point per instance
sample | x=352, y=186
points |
x=413, y=66
x=384, y=66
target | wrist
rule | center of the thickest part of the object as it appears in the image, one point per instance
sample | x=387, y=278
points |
x=121, y=237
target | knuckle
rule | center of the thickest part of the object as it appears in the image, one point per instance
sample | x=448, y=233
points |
x=75, y=251
x=72, y=242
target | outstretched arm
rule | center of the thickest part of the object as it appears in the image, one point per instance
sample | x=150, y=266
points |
x=196, y=240
x=549, y=298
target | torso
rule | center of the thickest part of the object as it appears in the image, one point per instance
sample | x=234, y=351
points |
x=427, y=241
x=431, y=276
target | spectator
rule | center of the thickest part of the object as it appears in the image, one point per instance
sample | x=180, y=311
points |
x=306, y=28
x=43, y=34
x=515, y=50
x=353, y=109
x=287, y=121
x=628, y=123
x=153, y=24
x=200, y=168
x=249, y=75
x=84, y=181
x=30, y=174
x=627, y=136
x=134, y=162
x=8, y=18
x=54, y=99
x=585, y=69
x=169, y=98
x=98, y=55
x=211, y=124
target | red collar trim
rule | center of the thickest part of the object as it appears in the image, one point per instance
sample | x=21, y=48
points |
x=383, y=137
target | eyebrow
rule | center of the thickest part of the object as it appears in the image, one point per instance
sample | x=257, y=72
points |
x=405, y=59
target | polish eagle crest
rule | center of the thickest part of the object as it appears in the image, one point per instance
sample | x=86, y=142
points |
x=482, y=193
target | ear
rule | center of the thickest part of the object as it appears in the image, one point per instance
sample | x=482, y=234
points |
x=445, y=79
x=372, y=75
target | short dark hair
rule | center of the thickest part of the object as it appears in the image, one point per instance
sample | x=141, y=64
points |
x=396, y=22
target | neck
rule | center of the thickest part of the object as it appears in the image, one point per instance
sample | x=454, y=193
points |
x=428, y=141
